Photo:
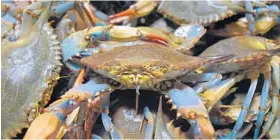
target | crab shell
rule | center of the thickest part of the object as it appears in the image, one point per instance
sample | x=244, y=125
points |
x=30, y=68
x=201, y=12
x=142, y=64
x=251, y=52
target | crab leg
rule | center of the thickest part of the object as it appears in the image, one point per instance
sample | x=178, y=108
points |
x=161, y=131
x=58, y=111
x=62, y=8
x=245, y=106
x=275, y=94
x=109, y=126
x=249, y=16
x=140, y=9
x=151, y=125
x=32, y=12
x=211, y=78
x=270, y=8
x=28, y=17
x=193, y=110
x=10, y=18
x=273, y=132
x=241, y=134
x=264, y=96
x=216, y=93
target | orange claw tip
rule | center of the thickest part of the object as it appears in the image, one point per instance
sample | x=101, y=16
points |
x=44, y=126
x=80, y=78
x=157, y=39
x=117, y=20
x=128, y=12
x=206, y=128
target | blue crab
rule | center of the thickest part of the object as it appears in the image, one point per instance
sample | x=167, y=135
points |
x=132, y=73
x=150, y=68
x=254, y=55
x=23, y=96
x=201, y=12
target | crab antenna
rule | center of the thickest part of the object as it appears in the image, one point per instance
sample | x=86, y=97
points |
x=137, y=98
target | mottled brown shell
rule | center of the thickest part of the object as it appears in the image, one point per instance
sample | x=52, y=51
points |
x=250, y=52
x=144, y=64
x=144, y=54
x=201, y=12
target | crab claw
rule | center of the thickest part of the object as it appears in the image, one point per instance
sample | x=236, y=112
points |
x=167, y=131
x=190, y=107
x=191, y=34
x=213, y=95
x=109, y=126
x=48, y=124
x=74, y=44
x=51, y=121
x=61, y=9
x=140, y=9
x=95, y=17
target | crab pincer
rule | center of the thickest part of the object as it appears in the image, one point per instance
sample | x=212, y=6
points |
x=190, y=107
x=57, y=112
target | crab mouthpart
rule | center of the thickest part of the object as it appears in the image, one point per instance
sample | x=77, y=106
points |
x=137, y=80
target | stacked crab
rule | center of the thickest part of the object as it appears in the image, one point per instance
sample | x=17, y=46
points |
x=103, y=58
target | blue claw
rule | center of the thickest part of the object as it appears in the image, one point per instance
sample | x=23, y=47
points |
x=74, y=44
x=62, y=8
x=85, y=91
x=109, y=126
x=190, y=107
x=213, y=80
x=192, y=33
x=151, y=125
x=89, y=51
x=261, y=113
x=90, y=88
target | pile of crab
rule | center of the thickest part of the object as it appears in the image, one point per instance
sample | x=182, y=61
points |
x=71, y=71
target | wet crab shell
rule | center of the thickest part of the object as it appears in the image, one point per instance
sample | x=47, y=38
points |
x=30, y=68
x=251, y=52
x=143, y=59
x=201, y=12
